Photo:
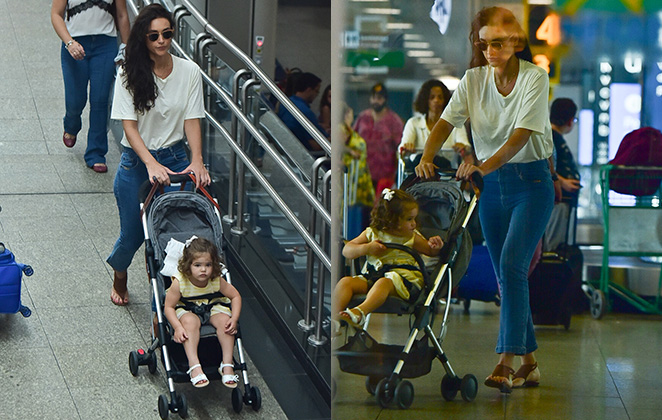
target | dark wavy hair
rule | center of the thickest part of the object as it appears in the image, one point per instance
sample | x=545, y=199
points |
x=387, y=213
x=497, y=16
x=138, y=65
x=193, y=250
x=323, y=100
x=422, y=101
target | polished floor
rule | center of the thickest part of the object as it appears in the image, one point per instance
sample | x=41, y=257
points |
x=69, y=359
x=608, y=369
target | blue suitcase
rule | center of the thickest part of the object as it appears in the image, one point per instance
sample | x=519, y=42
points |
x=479, y=281
x=10, y=283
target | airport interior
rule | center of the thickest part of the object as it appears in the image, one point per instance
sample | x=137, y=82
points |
x=285, y=212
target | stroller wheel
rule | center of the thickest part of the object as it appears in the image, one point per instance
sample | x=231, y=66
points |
x=256, y=398
x=133, y=362
x=469, y=387
x=371, y=384
x=404, y=394
x=384, y=393
x=449, y=387
x=164, y=407
x=237, y=400
x=182, y=407
x=151, y=363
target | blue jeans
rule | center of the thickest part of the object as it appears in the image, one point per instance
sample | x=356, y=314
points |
x=131, y=174
x=514, y=209
x=97, y=69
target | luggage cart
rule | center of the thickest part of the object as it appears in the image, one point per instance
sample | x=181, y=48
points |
x=632, y=228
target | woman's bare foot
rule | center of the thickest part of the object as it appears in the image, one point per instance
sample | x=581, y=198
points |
x=119, y=295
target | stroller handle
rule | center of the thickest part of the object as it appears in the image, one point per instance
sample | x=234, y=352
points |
x=446, y=174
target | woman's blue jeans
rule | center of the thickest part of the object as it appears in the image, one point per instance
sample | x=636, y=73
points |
x=514, y=209
x=131, y=174
x=97, y=69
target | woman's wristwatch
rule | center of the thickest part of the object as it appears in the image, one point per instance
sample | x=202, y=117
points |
x=68, y=44
x=555, y=177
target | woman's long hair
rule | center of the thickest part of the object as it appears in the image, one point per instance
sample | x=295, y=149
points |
x=138, y=65
x=422, y=102
x=497, y=16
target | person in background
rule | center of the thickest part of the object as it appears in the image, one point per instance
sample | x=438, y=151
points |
x=505, y=95
x=430, y=102
x=88, y=31
x=382, y=130
x=158, y=98
x=306, y=89
x=562, y=116
x=325, y=109
x=361, y=193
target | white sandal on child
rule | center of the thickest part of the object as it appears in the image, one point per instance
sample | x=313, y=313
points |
x=199, y=381
x=356, y=321
x=230, y=381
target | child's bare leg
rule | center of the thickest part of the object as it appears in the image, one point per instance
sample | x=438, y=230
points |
x=382, y=289
x=226, y=340
x=191, y=324
x=343, y=292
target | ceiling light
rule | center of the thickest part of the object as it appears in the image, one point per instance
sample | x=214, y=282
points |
x=420, y=53
x=429, y=60
x=416, y=45
x=413, y=37
x=399, y=25
x=381, y=11
x=369, y=1
x=451, y=82
x=537, y=1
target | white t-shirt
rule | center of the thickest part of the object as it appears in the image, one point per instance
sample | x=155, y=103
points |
x=494, y=117
x=416, y=131
x=91, y=21
x=179, y=98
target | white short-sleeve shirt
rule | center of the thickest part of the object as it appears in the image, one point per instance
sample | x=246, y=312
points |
x=179, y=98
x=494, y=117
x=416, y=131
x=91, y=20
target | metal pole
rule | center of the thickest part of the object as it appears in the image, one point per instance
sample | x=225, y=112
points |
x=239, y=228
x=318, y=339
x=307, y=323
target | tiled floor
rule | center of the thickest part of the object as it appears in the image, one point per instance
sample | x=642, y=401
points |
x=69, y=360
x=597, y=370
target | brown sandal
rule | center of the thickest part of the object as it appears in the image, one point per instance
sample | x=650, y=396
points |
x=500, y=378
x=527, y=375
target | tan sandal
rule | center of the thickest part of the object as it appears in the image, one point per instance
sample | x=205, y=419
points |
x=500, y=378
x=527, y=375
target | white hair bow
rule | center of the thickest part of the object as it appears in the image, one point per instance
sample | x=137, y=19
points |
x=387, y=194
x=189, y=240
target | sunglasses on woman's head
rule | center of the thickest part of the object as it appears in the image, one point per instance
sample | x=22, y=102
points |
x=496, y=45
x=167, y=34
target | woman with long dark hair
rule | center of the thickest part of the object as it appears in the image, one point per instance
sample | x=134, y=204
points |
x=159, y=99
x=505, y=96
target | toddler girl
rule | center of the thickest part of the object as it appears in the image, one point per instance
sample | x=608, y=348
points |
x=392, y=220
x=199, y=273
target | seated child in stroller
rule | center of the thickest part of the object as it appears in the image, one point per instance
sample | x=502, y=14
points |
x=392, y=220
x=187, y=307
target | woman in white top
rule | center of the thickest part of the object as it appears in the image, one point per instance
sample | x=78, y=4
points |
x=88, y=54
x=432, y=98
x=159, y=99
x=506, y=98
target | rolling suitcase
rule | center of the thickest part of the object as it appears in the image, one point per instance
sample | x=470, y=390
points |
x=555, y=284
x=479, y=281
x=10, y=283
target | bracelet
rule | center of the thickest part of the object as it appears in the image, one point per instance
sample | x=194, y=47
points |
x=555, y=177
x=68, y=44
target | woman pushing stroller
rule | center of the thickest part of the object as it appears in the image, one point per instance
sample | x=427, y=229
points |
x=159, y=99
x=505, y=96
x=392, y=220
x=199, y=274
